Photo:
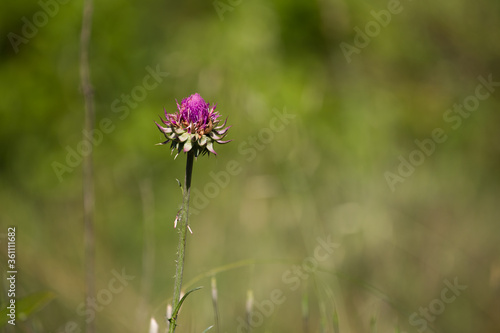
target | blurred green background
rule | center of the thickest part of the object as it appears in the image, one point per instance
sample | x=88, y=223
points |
x=323, y=174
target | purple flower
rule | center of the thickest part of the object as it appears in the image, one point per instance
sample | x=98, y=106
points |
x=195, y=126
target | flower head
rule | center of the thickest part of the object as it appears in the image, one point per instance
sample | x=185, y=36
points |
x=194, y=127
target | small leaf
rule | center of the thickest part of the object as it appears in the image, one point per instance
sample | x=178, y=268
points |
x=27, y=306
x=178, y=307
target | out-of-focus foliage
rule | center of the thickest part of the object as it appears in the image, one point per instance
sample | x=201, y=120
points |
x=280, y=185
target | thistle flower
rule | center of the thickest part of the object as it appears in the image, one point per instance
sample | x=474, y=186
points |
x=194, y=127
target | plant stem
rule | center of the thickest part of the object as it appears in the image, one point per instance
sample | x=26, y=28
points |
x=148, y=252
x=181, y=247
x=88, y=181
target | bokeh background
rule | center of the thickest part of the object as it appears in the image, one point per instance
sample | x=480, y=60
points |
x=321, y=175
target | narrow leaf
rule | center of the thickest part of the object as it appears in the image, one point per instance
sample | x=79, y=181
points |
x=178, y=307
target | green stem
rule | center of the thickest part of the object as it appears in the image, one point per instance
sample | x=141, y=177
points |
x=88, y=178
x=181, y=247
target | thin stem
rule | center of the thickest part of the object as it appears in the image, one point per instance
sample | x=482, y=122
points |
x=214, y=303
x=148, y=252
x=88, y=182
x=181, y=247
